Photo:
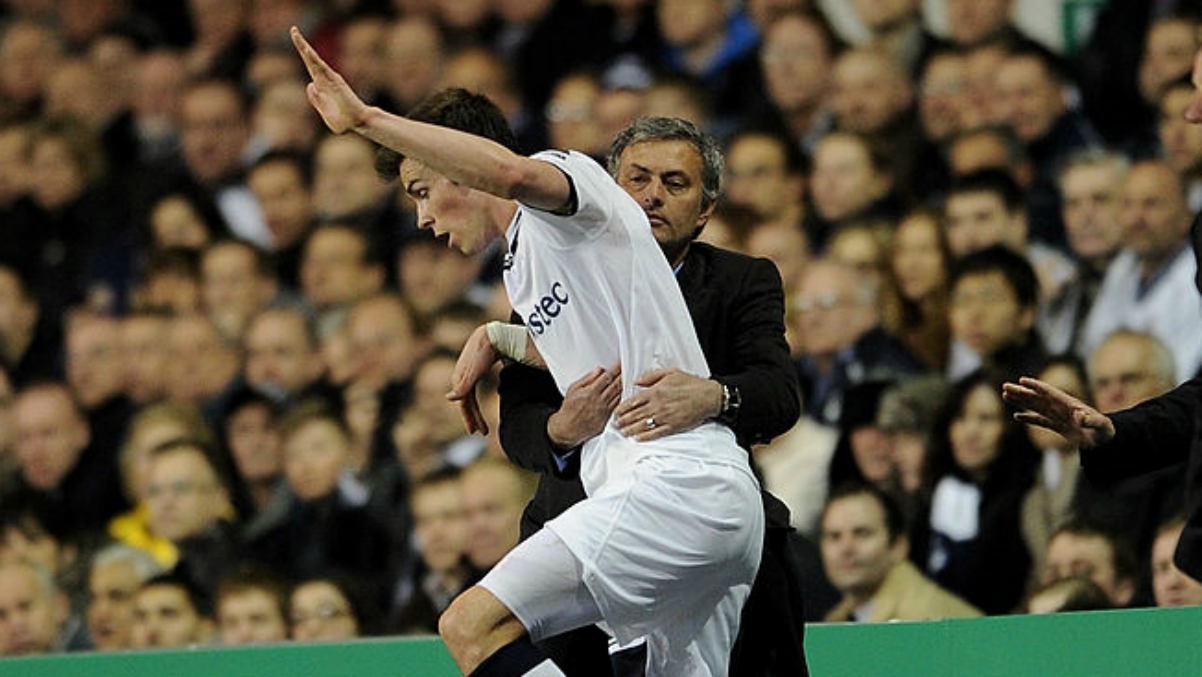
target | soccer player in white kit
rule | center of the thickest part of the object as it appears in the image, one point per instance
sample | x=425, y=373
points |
x=667, y=544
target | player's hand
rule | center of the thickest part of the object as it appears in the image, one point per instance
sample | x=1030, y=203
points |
x=586, y=408
x=475, y=360
x=329, y=93
x=1045, y=405
x=669, y=402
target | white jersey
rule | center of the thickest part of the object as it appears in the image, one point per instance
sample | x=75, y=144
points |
x=595, y=290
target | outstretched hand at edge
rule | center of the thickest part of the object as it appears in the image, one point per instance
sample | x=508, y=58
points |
x=1045, y=405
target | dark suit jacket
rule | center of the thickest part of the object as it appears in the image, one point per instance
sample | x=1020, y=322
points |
x=1156, y=434
x=737, y=306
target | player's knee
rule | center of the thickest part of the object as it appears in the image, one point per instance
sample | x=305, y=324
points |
x=459, y=628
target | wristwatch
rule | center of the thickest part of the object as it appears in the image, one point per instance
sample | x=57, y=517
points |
x=731, y=401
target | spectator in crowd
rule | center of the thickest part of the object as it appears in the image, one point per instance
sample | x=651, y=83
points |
x=116, y=573
x=143, y=347
x=414, y=53
x=1091, y=182
x=569, y=115
x=29, y=341
x=796, y=54
x=494, y=495
x=844, y=342
x=281, y=122
x=338, y=267
x=1128, y=368
x=865, y=552
x=872, y=94
x=282, y=185
x=1149, y=285
x=906, y=416
x=432, y=276
x=251, y=437
x=919, y=267
x=1170, y=585
x=1051, y=499
x=214, y=137
x=786, y=245
x=328, y=527
x=29, y=52
x=346, y=189
x=852, y=179
x=897, y=30
x=71, y=483
x=325, y=608
x=236, y=282
x=33, y=611
x=989, y=146
x=71, y=211
x=169, y=283
x=428, y=433
x=95, y=371
x=715, y=42
x=439, y=528
x=361, y=52
x=251, y=607
x=862, y=454
x=983, y=464
x=386, y=343
x=1168, y=46
x=764, y=172
x=188, y=503
x=1078, y=549
x=282, y=356
x=151, y=427
x=159, y=78
x=984, y=208
x=942, y=104
x=972, y=24
x=1180, y=141
x=991, y=311
x=170, y=611
x=202, y=364
x=183, y=217
x=1034, y=101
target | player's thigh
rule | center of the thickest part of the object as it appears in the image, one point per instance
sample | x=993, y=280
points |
x=541, y=583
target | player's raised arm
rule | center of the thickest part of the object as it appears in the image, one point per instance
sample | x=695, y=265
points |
x=464, y=158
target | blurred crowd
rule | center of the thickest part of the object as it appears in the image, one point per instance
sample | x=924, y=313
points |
x=225, y=343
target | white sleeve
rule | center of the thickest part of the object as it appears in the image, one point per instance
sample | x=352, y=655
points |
x=595, y=194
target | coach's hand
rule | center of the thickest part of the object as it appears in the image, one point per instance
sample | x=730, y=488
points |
x=670, y=401
x=586, y=408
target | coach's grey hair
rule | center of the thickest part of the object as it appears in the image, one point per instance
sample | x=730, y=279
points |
x=675, y=129
x=145, y=566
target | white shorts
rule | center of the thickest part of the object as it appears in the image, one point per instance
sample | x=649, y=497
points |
x=668, y=555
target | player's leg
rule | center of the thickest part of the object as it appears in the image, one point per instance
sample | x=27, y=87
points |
x=534, y=592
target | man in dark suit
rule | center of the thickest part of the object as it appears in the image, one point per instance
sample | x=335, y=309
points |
x=1153, y=435
x=737, y=306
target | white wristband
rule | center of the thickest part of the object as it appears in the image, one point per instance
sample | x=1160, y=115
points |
x=508, y=339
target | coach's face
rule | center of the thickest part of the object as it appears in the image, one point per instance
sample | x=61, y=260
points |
x=665, y=178
x=447, y=208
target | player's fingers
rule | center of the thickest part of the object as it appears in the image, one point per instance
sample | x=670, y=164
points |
x=473, y=420
x=308, y=55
